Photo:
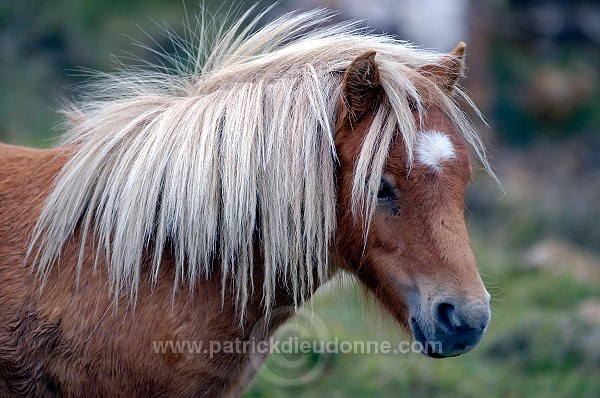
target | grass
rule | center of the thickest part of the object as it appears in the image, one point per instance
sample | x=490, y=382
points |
x=536, y=345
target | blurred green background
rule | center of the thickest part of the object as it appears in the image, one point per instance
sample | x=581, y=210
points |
x=534, y=72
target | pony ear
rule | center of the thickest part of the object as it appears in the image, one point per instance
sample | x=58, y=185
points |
x=447, y=72
x=361, y=84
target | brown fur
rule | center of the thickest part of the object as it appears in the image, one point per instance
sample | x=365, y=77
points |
x=69, y=339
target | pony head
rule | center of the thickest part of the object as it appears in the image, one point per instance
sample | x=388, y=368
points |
x=409, y=244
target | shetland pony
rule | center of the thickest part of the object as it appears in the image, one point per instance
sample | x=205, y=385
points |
x=188, y=202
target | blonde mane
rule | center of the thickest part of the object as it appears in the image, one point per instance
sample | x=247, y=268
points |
x=228, y=148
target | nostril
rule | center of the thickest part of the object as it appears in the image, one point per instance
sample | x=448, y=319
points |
x=445, y=314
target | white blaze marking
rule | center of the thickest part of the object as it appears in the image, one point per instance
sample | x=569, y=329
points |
x=434, y=148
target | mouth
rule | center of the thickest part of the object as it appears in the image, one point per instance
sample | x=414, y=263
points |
x=427, y=347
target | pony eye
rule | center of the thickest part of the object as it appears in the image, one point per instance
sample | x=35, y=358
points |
x=385, y=192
